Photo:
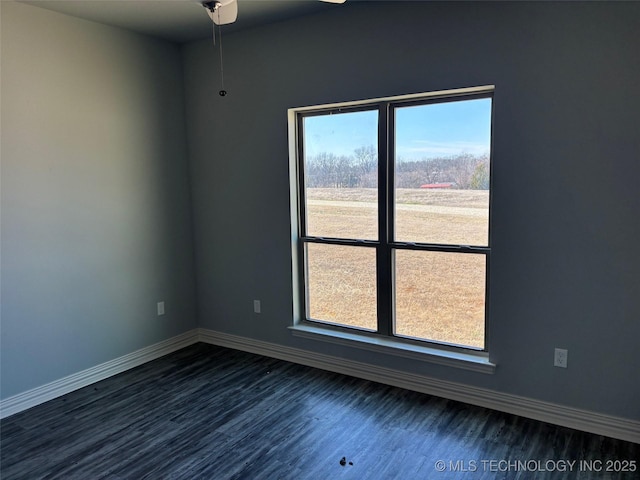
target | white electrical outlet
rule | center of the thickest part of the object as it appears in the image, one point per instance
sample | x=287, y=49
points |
x=256, y=306
x=160, y=308
x=560, y=358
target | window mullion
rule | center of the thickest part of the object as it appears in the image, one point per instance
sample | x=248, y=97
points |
x=384, y=269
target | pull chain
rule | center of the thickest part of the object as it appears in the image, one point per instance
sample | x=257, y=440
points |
x=222, y=92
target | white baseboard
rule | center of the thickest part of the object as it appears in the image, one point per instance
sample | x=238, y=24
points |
x=615, y=427
x=57, y=388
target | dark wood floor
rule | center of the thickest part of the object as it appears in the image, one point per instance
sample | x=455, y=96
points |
x=207, y=412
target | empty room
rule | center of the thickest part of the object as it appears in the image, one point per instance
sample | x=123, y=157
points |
x=313, y=239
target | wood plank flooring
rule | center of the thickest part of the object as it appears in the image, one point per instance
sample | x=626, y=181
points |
x=208, y=412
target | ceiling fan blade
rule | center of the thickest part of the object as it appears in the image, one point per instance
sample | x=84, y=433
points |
x=222, y=12
x=333, y=1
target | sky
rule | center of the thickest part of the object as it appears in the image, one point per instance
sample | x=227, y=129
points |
x=423, y=131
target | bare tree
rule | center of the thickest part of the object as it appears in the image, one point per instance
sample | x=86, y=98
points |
x=321, y=170
x=360, y=170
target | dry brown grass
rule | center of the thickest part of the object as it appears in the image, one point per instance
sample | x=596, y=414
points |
x=439, y=296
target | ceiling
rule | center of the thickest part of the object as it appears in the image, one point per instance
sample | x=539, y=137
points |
x=179, y=20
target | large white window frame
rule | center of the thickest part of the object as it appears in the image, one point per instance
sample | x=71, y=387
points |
x=383, y=339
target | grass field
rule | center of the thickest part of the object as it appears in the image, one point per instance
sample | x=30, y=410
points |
x=439, y=296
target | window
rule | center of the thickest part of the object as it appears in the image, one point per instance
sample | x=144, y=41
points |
x=391, y=230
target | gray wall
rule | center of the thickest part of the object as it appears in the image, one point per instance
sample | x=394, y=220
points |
x=564, y=268
x=96, y=219
x=96, y=224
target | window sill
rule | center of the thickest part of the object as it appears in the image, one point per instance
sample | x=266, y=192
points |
x=475, y=361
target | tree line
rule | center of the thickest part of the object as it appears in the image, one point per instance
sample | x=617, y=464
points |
x=359, y=170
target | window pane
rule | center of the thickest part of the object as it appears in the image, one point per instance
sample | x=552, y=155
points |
x=341, y=175
x=440, y=296
x=442, y=172
x=341, y=285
